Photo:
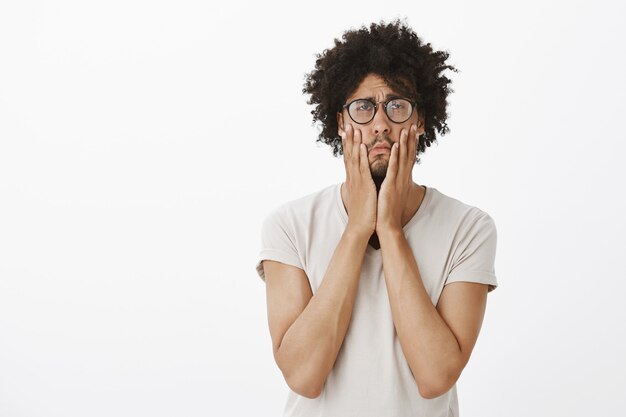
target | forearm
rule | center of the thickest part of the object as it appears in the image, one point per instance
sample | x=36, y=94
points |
x=310, y=346
x=429, y=345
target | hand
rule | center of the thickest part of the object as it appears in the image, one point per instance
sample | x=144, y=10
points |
x=361, y=189
x=394, y=190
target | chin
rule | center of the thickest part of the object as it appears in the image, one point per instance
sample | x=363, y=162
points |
x=379, y=174
x=379, y=170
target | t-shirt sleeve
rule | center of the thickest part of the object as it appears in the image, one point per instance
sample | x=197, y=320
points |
x=277, y=243
x=475, y=256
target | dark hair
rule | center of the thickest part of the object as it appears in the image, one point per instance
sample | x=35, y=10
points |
x=395, y=53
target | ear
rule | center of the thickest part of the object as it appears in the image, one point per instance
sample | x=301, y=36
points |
x=340, y=126
x=421, y=127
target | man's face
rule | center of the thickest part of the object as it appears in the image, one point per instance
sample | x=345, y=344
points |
x=380, y=129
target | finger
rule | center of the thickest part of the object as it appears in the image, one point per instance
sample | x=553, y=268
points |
x=347, y=150
x=392, y=167
x=356, y=149
x=365, y=166
x=410, y=157
x=357, y=140
x=413, y=147
x=402, y=153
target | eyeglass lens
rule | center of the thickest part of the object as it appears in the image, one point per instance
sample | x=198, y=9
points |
x=398, y=110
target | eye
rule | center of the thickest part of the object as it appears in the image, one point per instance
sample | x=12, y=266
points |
x=396, y=105
x=363, y=105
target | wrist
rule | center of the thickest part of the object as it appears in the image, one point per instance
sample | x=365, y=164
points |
x=358, y=233
x=384, y=231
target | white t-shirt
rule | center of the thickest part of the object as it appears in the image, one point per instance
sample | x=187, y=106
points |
x=451, y=241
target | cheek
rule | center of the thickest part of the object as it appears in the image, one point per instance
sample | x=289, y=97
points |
x=407, y=128
x=395, y=137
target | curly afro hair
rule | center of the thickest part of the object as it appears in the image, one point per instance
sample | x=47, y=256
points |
x=395, y=53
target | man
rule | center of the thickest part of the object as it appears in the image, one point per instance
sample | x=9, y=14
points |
x=377, y=286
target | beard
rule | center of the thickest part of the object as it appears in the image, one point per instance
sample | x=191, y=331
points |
x=378, y=168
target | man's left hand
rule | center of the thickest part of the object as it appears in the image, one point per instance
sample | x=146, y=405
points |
x=394, y=190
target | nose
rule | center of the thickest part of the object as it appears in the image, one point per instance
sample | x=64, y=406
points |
x=381, y=122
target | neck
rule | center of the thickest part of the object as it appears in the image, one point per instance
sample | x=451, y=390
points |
x=378, y=181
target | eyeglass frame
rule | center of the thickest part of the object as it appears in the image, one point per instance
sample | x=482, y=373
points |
x=413, y=107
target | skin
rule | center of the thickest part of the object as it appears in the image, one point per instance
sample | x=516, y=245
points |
x=307, y=330
x=360, y=188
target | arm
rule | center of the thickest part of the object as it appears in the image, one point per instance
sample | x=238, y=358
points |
x=437, y=341
x=308, y=330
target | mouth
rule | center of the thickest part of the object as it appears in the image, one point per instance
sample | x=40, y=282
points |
x=379, y=149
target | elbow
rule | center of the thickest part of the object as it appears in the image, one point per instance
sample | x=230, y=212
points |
x=301, y=377
x=435, y=389
x=306, y=384
x=438, y=382
x=431, y=392
x=305, y=387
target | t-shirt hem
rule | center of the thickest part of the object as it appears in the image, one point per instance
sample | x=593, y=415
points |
x=275, y=255
x=480, y=277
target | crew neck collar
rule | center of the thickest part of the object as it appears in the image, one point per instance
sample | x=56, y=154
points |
x=416, y=216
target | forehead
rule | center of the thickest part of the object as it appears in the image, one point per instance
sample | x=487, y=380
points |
x=372, y=86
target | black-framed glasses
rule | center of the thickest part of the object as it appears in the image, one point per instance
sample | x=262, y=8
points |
x=362, y=110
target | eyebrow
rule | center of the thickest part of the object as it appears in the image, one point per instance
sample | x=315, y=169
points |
x=387, y=97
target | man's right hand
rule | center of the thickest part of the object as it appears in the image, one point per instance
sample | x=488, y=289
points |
x=362, y=198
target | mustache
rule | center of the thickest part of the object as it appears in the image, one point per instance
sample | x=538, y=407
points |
x=381, y=139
